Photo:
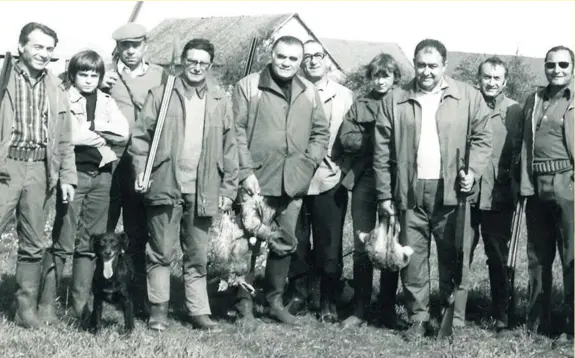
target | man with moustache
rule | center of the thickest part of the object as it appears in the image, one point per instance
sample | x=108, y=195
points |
x=36, y=157
x=283, y=136
x=492, y=213
x=546, y=179
x=128, y=82
x=195, y=174
x=325, y=204
x=420, y=127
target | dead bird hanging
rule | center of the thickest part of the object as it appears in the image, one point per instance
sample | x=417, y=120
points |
x=383, y=247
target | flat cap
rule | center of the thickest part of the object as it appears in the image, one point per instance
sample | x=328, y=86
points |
x=130, y=32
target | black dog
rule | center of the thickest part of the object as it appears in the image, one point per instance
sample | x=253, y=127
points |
x=112, y=278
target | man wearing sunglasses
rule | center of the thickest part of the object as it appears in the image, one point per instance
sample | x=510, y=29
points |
x=325, y=204
x=546, y=179
x=283, y=136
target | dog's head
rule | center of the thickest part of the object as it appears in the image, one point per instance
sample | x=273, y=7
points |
x=107, y=245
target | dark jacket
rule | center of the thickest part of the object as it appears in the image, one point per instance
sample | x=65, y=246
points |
x=353, y=148
x=285, y=142
x=396, y=139
x=527, y=187
x=217, y=169
x=496, y=186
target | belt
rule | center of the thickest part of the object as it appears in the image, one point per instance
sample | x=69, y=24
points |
x=27, y=154
x=552, y=166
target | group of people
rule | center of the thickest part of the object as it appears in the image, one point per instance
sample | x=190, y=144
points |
x=304, y=143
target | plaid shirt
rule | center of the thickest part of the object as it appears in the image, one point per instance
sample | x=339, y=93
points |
x=29, y=131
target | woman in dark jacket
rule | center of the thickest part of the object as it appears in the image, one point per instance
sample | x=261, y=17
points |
x=354, y=149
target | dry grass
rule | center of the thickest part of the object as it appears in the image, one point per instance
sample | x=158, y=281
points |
x=313, y=339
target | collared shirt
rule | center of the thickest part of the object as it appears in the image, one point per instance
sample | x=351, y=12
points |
x=31, y=111
x=200, y=90
x=429, y=150
x=138, y=71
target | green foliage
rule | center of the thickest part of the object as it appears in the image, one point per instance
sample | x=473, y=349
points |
x=520, y=80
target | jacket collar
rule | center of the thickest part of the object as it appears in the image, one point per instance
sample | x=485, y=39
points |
x=409, y=91
x=327, y=89
x=266, y=82
x=211, y=89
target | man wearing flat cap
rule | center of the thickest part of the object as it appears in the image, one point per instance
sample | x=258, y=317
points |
x=128, y=81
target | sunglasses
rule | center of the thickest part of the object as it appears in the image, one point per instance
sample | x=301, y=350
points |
x=552, y=65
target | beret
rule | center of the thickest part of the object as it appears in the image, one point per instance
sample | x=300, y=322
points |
x=130, y=32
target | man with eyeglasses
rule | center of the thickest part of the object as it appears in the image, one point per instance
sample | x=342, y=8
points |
x=283, y=136
x=325, y=204
x=128, y=81
x=195, y=174
x=492, y=213
x=546, y=179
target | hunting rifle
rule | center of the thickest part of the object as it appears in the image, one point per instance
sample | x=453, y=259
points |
x=5, y=74
x=167, y=95
x=512, y=259
x=461, y=223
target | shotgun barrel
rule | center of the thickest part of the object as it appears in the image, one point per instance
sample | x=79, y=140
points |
x=5, y=74
x=461, y=225
x=251, y=55
x=516, y=225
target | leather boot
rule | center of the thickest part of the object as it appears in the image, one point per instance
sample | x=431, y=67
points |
x=204, y=322
x=158, y=316
x=52, y=268
x=362, y=277
x=276, y=273
x=82, y=275
x=27, y=284
x=388, y=281
x=499, y=297
x=328, y=294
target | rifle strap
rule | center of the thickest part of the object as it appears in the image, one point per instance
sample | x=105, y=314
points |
x=137, y=107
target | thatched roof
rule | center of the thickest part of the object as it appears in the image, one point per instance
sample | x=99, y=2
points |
x=231, y=35
x=352, y=54
x=536, y=65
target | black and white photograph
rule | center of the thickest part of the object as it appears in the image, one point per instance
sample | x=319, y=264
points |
x=287, y=179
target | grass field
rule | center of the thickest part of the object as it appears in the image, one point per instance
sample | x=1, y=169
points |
x=312, y=339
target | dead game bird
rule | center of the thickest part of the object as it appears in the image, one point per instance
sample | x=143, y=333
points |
x=383, y=247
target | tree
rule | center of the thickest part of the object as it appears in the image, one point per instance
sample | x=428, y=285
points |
x=520, y=80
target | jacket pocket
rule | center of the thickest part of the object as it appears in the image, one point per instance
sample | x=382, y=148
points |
x=301, y=173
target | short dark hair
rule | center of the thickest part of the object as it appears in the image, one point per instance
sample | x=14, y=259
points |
x=32, y=26
x=199, y=44
x=88, y=60
x=383, y=64
x=288, y=40
x=494, y=61
x=560, y=48
x=431, y=43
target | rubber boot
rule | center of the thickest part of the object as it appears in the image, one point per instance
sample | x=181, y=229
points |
x=275, y=277
x=388, y=281
x=298, y=292
x=27, y=285
x=52, y=268
x=363, y=278
x=82, y=275
x=158, y=316
x=329, y=291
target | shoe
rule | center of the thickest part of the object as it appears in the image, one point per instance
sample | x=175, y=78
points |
x=297, y=306
x=417, y=330
x=203, y=322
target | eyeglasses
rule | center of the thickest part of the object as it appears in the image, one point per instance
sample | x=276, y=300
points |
x=552, y=65
x=194, y=63
x=316, y=56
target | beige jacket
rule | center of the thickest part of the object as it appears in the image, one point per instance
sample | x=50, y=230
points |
x=340, y=98
x=110, y=125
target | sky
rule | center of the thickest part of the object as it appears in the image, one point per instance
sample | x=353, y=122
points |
x=491, y=27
